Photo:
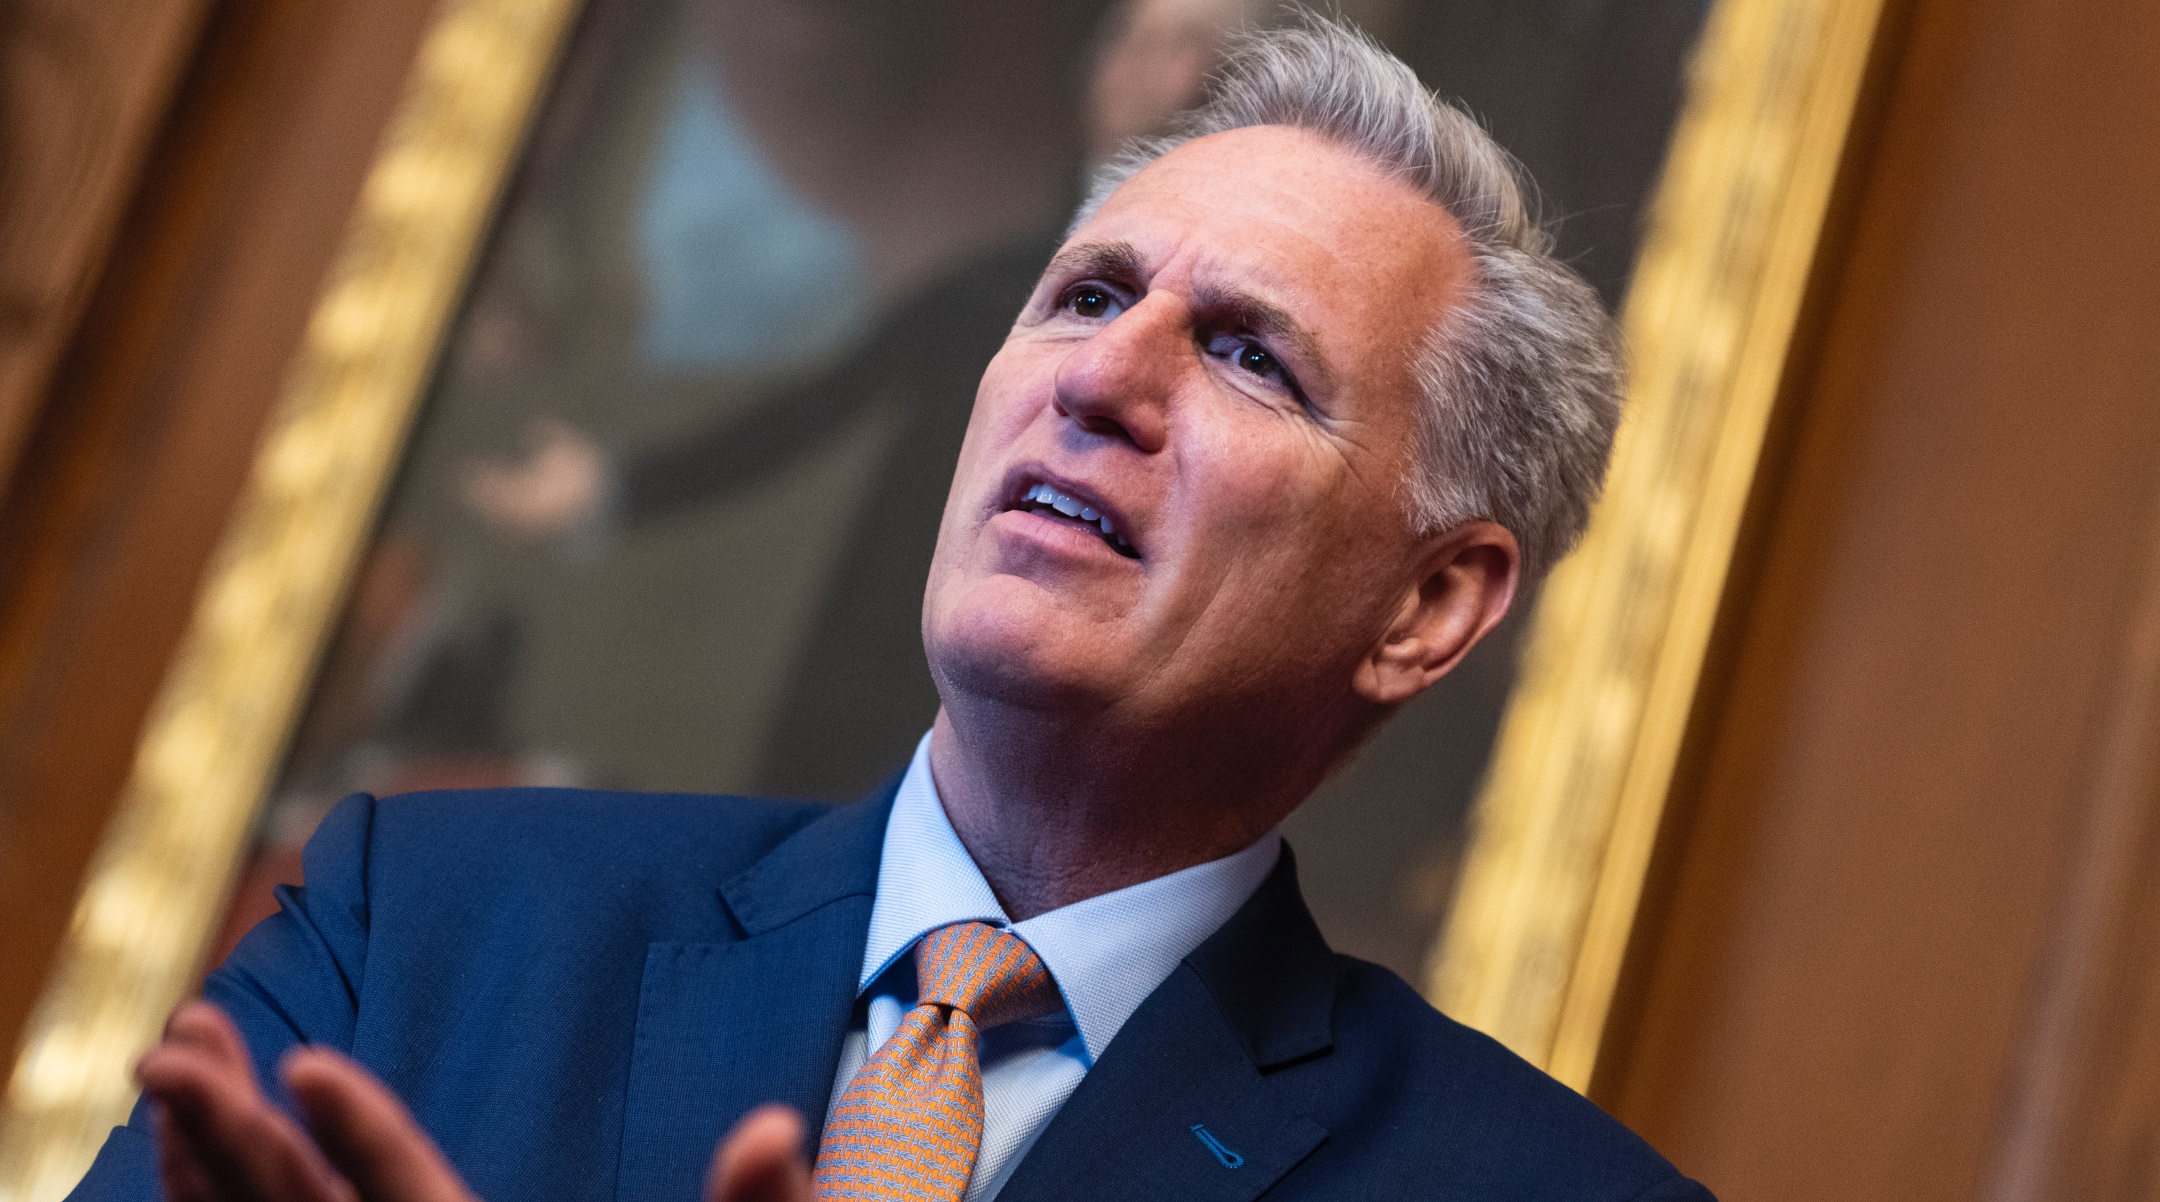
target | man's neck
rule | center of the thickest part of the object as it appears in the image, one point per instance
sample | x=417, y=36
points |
x=1056, y=817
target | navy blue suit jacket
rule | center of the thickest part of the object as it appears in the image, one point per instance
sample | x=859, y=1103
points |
x=579, y=993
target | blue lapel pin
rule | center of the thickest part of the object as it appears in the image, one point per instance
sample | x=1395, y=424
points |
x=1230, y=1159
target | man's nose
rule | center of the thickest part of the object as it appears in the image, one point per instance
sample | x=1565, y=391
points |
x=1120, y=380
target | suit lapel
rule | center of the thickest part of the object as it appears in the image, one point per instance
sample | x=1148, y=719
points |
x=1180, y=1105
x=756, y=1015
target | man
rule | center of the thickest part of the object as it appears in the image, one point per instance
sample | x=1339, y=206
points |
x=1287, y=418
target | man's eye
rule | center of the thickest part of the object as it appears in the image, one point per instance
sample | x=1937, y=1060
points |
x=1088, y=300
x=1257, y=361
x=1247, y=355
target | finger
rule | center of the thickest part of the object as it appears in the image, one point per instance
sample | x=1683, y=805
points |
x=201, y=1052
x=186, y=1082
x=761, y=1160
x=179, y=1169
x=200, y=1024
x=223, y=1129
x=215, y=1061
x=367, y=1133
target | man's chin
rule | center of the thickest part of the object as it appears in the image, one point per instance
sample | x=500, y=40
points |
x=1018, y=665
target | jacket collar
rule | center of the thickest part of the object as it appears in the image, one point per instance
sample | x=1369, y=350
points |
x=1271, y=973
x=756, y=1015
x=834, y=857
x=1180, y=1105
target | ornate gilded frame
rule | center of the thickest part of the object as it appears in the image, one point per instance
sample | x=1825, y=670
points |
x=209, y=749
x=1563, y=832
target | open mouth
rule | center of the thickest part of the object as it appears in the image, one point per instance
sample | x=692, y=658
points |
x=1057, y=506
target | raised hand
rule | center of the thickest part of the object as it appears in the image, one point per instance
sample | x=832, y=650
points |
x=221, y=1139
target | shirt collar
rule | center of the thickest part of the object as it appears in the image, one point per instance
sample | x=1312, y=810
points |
x=1107, y=953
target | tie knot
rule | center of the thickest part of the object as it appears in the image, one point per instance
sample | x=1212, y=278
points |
x=992, y=976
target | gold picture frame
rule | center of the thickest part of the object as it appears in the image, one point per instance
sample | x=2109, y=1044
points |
x=153, y=893
x=1563, y=831
x=1562, y=834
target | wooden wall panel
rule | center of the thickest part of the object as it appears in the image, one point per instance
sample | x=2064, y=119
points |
x=2083, y=1118
x=1902, y=853
x=84, y=89
x=153, y=414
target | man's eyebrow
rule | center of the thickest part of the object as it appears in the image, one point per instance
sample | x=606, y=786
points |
x=1111, y=260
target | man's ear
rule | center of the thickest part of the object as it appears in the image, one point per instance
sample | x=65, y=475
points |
x=1465, y=582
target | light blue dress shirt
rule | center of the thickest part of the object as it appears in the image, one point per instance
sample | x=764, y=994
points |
x=1107, y=954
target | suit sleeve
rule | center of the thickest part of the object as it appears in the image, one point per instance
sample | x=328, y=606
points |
x=293, y=979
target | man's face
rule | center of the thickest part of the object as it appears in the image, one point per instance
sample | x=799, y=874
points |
x=1219, y=364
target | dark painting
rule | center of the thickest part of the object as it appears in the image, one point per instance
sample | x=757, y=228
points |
x=668, y=512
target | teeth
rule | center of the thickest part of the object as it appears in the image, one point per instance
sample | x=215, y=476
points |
x=1043, y=494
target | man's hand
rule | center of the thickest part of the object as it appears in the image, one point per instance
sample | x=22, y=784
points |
x=221, y=1140
x=761, y=1160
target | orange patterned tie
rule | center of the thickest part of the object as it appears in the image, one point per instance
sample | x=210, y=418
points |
x=911, y=1122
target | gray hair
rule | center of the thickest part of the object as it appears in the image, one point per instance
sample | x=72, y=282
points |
x=1520, y=383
